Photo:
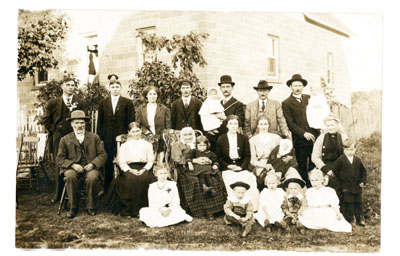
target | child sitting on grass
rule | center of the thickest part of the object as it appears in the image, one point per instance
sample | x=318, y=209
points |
x=322, y=206
x=238, y=208
x=294, y=201
x=204, y=171
x=271, y=198
x=351, y=174
x=164, y=203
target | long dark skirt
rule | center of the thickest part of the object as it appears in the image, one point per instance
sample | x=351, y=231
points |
x=128, y=192
x=193, y=200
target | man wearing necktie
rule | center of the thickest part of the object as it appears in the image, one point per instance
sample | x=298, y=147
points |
x=294, y=110
x=268, y=107
x=114, y=115
x=185, y=110
x=55, y=120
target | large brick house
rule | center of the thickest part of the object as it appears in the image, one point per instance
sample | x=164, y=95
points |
x=249, y=46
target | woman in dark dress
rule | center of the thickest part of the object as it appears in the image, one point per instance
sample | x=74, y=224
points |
x=128, y=192
x=193, y=199
x=154, y=118
x=327, y=148
x=233, y=152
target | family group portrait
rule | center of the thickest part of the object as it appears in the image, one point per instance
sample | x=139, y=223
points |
x=198, y=131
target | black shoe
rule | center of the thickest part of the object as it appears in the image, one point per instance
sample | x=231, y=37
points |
x=361, y=222
x=91, y=212
x=210, y=216
x=72, y=213
x=54, y=200
x=278, y=225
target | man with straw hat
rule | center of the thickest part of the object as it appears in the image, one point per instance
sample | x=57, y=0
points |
x=81, y=154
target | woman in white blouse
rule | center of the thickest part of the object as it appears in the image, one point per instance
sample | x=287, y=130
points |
x=154, y=117
x=261, y=146
x=233, y=153
x=128, y=191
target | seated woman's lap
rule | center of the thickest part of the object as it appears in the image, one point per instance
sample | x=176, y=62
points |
x=192, y=196
x=230, y=177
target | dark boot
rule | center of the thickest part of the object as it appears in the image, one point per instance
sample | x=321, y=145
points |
x=247, y=229
x=360, y=221
x=267, y=226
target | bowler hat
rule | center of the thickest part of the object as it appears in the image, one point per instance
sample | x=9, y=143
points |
x=293, y=175
x=240, y=184
x=185, y=82
x=296, y=77
x=78, y=114
x=111, y=75
x=262, y=85
x=226, y=79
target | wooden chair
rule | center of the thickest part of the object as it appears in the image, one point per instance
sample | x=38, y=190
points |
x=171, y=136
x=29, y=165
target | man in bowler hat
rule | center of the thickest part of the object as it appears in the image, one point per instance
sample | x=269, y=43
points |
x=294, y=110
x=81, y=154
x=55, y=120
x=268, y=107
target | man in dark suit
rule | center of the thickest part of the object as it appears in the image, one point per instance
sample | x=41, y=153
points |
x=55, y=120
x=294, y=110
x=114, y=116
x=231, y=105
x=81, y=154
x=185, y=110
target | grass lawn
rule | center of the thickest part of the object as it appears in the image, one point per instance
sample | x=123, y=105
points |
x=38, y=226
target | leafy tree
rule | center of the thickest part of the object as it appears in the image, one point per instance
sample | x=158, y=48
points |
x=38, y=41
x=334, y=104
x=186, y=53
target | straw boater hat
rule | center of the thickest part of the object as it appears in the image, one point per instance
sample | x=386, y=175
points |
x=240, y=184
x=296, y=77
x=293, y=176
x=262, y=85
x=78, y=114
x=226, y=79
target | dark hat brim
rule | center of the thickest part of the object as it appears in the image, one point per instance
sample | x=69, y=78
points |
x=232, y=83
x=298, y=181
x=240, y=184
x=74, y=118
x=289, y=82
x=269, y=87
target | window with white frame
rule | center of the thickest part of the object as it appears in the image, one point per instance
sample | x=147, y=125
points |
x=329, y=74
x=142, y=55
x=273, y=56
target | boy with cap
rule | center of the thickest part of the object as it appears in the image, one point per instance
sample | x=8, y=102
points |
x=293, y=201
x=238, y=208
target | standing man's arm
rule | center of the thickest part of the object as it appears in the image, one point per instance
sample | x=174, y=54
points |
x=247, y=121
x=131, y=112
x=281, y=121
x=173, y=115
x=291, y=123
x=197, y=116
x=48, y=117
x=167, y=118
x=240, y=113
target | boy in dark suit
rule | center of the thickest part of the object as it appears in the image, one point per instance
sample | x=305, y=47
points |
x=352, y=176
x=55, y=120
x=185, y=110
x=294, y=110
x=114, y=116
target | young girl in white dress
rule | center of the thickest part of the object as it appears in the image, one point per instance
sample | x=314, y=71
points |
x=164, y=204
x=317, y=108
x=322, y=206
x=211, y=111
x=271, y=198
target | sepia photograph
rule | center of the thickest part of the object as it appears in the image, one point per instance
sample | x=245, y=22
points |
x=204, y=130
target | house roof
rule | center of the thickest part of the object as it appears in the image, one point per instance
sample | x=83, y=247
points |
x=328, y=21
